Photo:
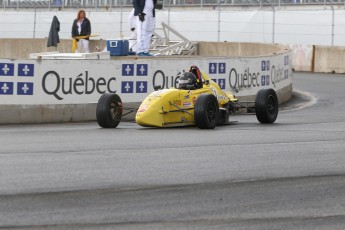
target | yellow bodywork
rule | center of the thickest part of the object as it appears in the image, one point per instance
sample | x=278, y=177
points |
x=175, y=107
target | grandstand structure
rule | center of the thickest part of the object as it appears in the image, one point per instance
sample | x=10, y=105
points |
x=17, y=4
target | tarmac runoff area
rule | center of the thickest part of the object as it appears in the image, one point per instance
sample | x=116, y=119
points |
x=289, y=175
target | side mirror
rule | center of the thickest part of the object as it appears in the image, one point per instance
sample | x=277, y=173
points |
x=207, y=82
x=157, y=87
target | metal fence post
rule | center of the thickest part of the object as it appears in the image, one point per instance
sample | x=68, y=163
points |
x=273, y=23
x=121, y=13
x=218, y=5
x=168, y=18
x=35, y=14
x=332, y=25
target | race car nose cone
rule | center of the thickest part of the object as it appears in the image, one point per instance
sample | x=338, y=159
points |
x=149, y=117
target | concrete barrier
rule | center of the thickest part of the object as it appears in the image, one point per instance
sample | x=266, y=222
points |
x=21, y=48
x=302, y=57
x=329, y=59
x=302, y=54
x=239, y=49
x=44, y=91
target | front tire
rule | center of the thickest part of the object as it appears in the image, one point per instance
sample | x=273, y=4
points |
x=205, y=111
x=266, y=106
x=109, y=110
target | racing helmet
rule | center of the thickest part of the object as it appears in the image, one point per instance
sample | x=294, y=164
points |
x=187, y=81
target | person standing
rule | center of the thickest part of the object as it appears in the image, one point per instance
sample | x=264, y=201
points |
x=82, y=28
x=145, y=24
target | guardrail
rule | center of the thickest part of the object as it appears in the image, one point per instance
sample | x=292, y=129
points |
x=40, y=90
x=109, y=4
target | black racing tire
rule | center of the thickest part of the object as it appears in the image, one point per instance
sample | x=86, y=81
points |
x=109, y=110
x=206, y=111
x=266, y=106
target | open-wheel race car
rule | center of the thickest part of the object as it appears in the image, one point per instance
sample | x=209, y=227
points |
x=197, y=101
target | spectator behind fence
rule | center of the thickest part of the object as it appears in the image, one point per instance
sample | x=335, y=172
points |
x=81, y=31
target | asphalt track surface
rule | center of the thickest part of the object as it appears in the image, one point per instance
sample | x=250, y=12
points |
x=289, y=175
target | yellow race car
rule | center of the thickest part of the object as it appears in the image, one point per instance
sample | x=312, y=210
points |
x=197, y=101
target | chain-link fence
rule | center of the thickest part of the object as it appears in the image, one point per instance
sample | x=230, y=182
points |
x=287, y=25
x=109, y=4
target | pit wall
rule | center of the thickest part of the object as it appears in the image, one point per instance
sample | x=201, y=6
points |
x=239, y=49
x=39, y=91
x=21, y=48
x=310, y=58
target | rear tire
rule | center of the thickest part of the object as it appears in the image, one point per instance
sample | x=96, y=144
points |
x=266, y=106
x=206, y=111
x=109, y=110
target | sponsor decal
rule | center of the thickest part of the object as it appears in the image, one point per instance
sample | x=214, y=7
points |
x=214, y=92
x=265, y=80
x=246, y=79
x=141, y=86
x=26, y=70
x=127, y=69
x=177, y=102
x=25, y=88
x=221, y=83
x=222, y=68
x=277, y=75
x=286, y=60
x=187, y=104
x=6, y=88
x=82, y=84
x=6, y=69
x=286, y=74
x=212, y=68
x=127, y=87
x=265, y=65
x=142, y=69
x=143, y=107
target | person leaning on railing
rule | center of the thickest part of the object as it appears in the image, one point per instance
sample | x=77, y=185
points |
x=81, y=31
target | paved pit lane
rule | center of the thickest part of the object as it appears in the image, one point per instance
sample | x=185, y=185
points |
x=289, y=175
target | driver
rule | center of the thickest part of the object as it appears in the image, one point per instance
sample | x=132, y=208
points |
x=187, y=81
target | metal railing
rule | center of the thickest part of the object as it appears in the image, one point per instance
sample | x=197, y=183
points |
x=109, y=4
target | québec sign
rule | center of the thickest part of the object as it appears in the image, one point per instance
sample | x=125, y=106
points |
x=82, y=84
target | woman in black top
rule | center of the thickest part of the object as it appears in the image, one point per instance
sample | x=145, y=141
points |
x=82, y=27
